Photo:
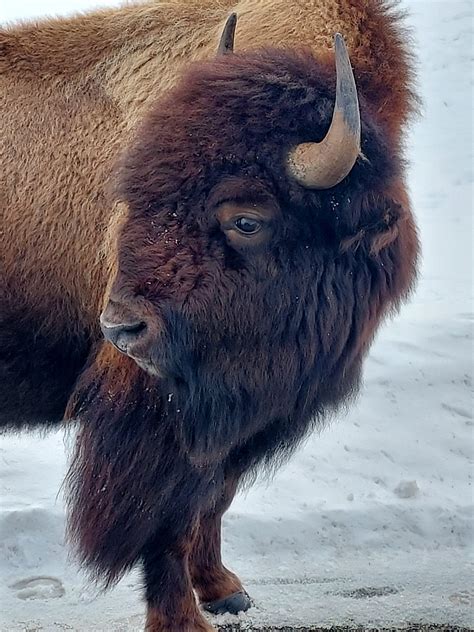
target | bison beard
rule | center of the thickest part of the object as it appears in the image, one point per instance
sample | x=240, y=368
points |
x=128, y=478
x=128, y=475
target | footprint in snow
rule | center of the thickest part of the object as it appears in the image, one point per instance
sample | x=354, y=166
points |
x=457, y=410
x=369, y=593
x=40, y=587
x=463, y=598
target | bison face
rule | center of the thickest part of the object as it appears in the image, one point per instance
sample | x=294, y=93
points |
x=231, y=243
x=248, y=296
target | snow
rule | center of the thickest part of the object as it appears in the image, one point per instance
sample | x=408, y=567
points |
x=371, y=522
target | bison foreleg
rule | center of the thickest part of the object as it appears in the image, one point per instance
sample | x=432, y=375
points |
x=171, y=603
x=219, y=589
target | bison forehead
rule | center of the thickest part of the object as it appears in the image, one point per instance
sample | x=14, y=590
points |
x=240, y=115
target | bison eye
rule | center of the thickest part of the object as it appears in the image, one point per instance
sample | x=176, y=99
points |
x=247, y=225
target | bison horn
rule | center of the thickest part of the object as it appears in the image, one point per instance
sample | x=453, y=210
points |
x=226, y=44
x=323, y=165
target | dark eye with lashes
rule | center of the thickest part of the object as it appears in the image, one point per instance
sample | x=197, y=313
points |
x=248, y=225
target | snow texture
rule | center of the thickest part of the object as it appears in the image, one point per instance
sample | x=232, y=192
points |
x=370, y=523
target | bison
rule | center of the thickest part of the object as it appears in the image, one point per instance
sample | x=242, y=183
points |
x=239, y=222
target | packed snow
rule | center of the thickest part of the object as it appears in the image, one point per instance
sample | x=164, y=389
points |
x=371, y=522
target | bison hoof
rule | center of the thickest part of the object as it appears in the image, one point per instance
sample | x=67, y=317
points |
x=233, y=604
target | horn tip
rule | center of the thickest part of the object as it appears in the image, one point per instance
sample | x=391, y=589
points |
x=226, y=44
x=340, y=43
x=231, y=21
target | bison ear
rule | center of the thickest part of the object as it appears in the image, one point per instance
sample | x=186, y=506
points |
x=373, y=217
x=226, y=44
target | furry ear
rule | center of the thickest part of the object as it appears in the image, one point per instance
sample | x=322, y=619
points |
x=381, y=226
x=370, y=219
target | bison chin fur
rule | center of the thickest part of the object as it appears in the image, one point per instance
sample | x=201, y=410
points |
x=128, y=480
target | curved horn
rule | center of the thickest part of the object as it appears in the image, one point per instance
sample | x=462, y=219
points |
x=226, y=44
x=325, y=164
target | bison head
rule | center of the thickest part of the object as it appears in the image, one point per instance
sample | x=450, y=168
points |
x=261, y=247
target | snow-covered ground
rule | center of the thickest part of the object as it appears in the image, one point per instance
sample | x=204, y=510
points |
x=370, y=523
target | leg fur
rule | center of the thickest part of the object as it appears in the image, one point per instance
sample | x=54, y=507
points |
x=171, y=603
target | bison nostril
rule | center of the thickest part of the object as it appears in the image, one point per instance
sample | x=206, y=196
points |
x=122, y=335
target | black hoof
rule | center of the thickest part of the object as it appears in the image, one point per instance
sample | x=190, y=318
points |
x=233, y=604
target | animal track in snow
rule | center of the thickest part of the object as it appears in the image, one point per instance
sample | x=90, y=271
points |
x=463, y=598
x=369, y=593
x=457, y=410
x=39, y=587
